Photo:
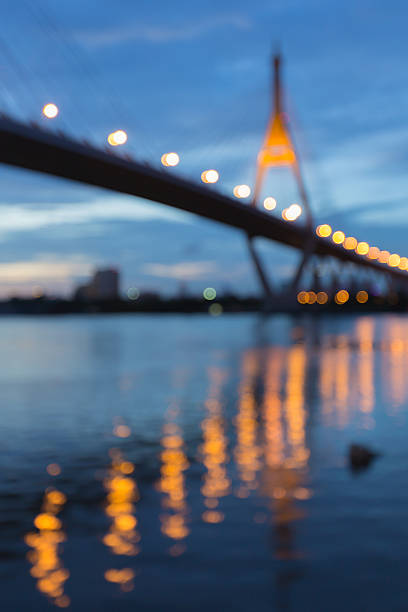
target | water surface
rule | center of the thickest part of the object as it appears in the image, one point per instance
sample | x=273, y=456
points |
x=186, y=463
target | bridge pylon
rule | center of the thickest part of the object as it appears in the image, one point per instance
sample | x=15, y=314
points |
x=278, y=148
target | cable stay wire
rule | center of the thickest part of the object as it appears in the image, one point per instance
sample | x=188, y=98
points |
x=93, y=78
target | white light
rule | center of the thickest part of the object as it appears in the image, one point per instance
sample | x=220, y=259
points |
x=170, y=159
x=117, y=138
x=269, y=203
x=210, y=176
x=50, y=110
x=242, y=191
x=296, y=210
x=292, y=213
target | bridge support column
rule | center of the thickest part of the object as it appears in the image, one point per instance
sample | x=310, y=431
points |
x=307, y=253
x=259, y=269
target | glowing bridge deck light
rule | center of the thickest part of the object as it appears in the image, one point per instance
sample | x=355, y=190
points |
x=117, y=138
x=403, y=264
x=384, y=256
x=170, y=159
x=269, y=203
x=324, y=230
x=341, y=296
x=362, y=296
x=362, y=248
x=350, y=243
x=338, y=237
x=292, y=213
x=210, y=176
x=373, y=252
x=394, y=260
x=50, y=110
x=242, y=191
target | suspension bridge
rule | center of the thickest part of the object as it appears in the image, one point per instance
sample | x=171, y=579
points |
x=37, y=149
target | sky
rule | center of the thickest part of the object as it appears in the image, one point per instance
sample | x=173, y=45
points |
x=195, y=78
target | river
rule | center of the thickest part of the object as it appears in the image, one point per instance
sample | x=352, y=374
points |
x=194, y=462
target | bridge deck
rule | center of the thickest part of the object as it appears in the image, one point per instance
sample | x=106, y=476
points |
x=36, y=149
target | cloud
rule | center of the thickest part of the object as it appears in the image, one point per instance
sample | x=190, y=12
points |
x=14, y=218
x=160, y=34
x=185, y=270
x=46, y=267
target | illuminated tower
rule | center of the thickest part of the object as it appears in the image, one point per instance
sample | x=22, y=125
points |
x=278, y=148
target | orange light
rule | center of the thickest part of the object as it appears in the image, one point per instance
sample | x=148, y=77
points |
x=122, y=431
x=322, y=297
x=403, y=264
x=394, y=260
x=373, y=252
x=117, y=138
x=53, y=469
x=323, y=230
x=312, y=297
x=119, y=576
x=362, y=248
x=302, y=297
x=170, y=159
x=242, y=191
x=210, y=176
x=341, y=296
x=277, y=149
x=350, y=243
x=338, y=237
x=47, y=521
x=362, y=297
x=50, y=110
x=384, y=256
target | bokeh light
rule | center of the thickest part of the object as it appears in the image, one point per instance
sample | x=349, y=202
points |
x=53, y=469
x=338, y=237
x=210, y=176
x=312, y=297
x=209, y=293
x=50, y=110
x=242, y=191
x=302, y=297
x=133, y=293
x=117, y=138
x=350, y=243
x=383, y=256
x=373, y=252
x=322, y=297
x=394, y=260
x=122, y=431
x=362, y=297
x=292, y=212
x=170, y=159
x=362, y=248
x=269, y=203
x=341, y=296
x=403, y=264
x=323, y=230
x=215, y=310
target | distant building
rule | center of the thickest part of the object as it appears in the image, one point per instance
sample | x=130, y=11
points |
x=104, y=285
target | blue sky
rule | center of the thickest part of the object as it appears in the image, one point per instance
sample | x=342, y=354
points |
x=195, y=78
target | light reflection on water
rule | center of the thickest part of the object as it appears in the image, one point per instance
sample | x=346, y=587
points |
x=44, y=553
x=195, y=437
x=123, y=537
